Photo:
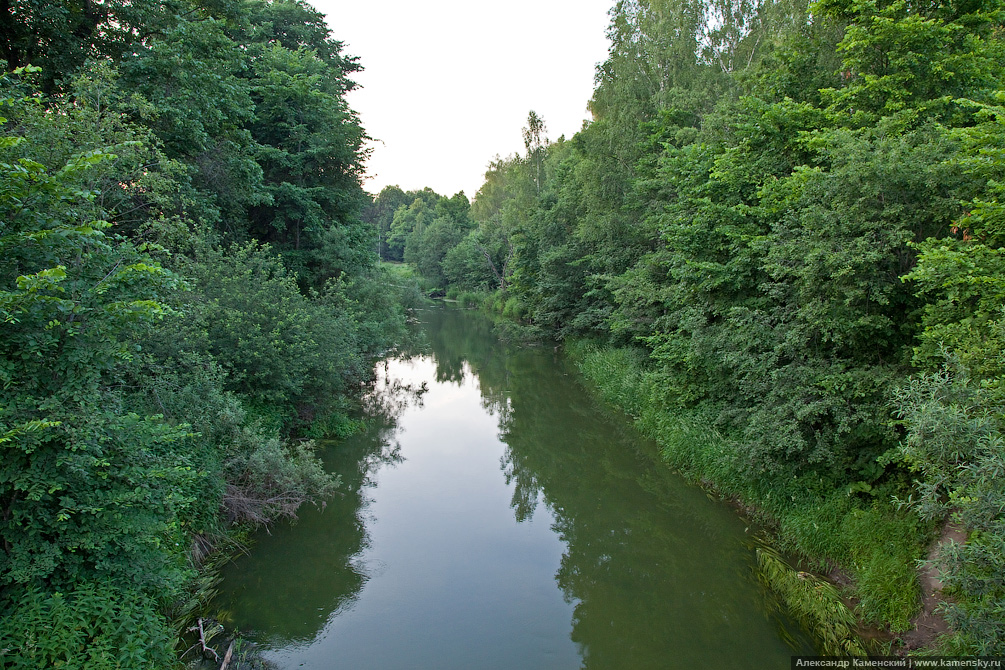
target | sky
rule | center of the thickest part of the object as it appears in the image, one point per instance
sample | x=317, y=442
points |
x=447, y=84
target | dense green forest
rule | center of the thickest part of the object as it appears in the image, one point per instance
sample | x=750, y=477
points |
x=779, y=245
x=188, y=297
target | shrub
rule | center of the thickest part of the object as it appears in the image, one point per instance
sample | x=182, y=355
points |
x=954, y=442
x=91, y=627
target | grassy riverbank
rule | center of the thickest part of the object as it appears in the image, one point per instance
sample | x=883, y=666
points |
x=834, y=530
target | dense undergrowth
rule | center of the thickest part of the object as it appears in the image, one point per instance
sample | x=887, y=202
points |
x=187, y=296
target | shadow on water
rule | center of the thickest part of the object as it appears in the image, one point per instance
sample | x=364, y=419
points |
x=297, y=576
x=653, y=573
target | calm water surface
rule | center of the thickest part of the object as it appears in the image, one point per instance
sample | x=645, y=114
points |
x=494, y=516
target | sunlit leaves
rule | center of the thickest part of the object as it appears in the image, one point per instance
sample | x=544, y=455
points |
x=909, y=61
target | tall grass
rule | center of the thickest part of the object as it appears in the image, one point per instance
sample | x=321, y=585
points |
x=813, y=601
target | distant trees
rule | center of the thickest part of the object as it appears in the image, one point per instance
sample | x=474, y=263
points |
x=421, y=228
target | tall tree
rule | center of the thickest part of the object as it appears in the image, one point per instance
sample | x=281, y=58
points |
x=535, y=141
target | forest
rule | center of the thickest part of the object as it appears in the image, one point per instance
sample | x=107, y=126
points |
x=189, y=297
x=778, y=245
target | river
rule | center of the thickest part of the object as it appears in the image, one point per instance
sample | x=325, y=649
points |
x=494, y=515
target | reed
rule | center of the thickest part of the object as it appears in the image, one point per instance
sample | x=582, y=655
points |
x=814, y=602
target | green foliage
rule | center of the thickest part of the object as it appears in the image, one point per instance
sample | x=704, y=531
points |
x=431, y=234
x=157, y=364
x=952, y=410
x=428, y=246
x=465, y=266
x=88, y=492
x=816, y=603
x=513, y=309
x=75, y=301
x=246, y=463
x=271, y=481
x=380, y=214
x=311, y=158
x=954, y=443
x=66, y=491
x=60, y=37
x=906, y=60
x=406, y=221
x=962, y=282
x=409, y=215
x=277, y=345
x=89, y=627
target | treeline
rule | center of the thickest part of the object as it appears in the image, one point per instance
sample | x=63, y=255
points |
x=188, y=294
x=784, y=228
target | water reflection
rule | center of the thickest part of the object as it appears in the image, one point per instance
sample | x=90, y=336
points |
x=504, y=520
x=299, y=576
x=659, y=574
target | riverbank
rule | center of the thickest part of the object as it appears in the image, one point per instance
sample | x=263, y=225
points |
x=516, y=526
x=865, y=545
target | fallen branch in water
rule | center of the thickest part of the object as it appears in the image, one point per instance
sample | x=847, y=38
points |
x=228, y=656
x=202, y=640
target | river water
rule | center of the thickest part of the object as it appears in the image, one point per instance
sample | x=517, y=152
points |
x=494, y=515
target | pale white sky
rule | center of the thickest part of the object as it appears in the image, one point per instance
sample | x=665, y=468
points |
x=448, y=84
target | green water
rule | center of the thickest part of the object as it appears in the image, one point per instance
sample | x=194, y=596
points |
x=495, y=516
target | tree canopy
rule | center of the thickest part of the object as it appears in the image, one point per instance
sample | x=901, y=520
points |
x=188, y=294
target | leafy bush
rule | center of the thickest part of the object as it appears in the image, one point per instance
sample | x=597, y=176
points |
x=89, y=627
x=278, y=348
x=954, y=442
x=89, y=492
x=138, y=408
x=513, y=308
x=248, y=472
x=271, y=481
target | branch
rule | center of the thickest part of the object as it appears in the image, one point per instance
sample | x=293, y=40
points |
x=202, y=640
x=228, y=656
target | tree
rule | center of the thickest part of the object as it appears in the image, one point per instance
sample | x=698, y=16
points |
x=380, y=214
x=535, y=144
x=60, y=37
x=75, y=299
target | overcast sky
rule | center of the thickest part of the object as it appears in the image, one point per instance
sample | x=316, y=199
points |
x=447, y=84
